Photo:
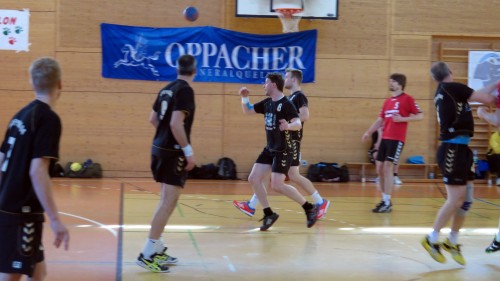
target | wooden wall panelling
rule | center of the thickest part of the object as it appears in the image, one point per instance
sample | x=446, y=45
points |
x=79, y=22
x=11, y=102
x=15, y=65
x=349, y=78
x=32, y=5
x=457, y=17
x=360, y=31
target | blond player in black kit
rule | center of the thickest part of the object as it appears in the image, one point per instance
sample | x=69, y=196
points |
x=30, y=148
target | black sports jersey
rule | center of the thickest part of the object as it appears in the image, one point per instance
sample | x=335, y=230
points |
x=273, y=112
x=176, y=96
x=34, y=132
x=453, y=109
x=299, y=100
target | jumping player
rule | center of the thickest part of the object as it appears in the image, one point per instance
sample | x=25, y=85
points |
x=293, y=79
x=280, y=117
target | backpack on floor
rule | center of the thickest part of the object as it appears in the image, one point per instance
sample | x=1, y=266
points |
x=327, y=172
x=226, y=169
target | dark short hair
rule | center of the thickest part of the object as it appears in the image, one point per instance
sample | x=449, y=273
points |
x=440, y=71
x=186, y=65
x=277, y=79
x=295, y=73
x=400, y=78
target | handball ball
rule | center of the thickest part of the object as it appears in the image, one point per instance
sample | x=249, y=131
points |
x=75, y=167
x=191, y=13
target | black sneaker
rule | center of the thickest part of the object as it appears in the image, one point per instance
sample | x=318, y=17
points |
x=382, y=208
x=312, y=216
x=268, y=221
x=151, y=264
x=493, y=247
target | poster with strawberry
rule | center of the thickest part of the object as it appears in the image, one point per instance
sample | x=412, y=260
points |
x=14, y=30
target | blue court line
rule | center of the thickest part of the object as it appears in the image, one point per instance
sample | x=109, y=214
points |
x=119, y=254
x=487, y=202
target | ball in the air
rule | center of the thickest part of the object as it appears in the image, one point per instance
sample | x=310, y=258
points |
x=191, y=13
x=75, y=167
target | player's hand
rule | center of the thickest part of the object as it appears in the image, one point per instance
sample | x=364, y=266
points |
x=61, y=234
x=397, y=118
x=365, y=137
x=244, y=92
x=482, y=111
x=190, y=163
x=283, y=125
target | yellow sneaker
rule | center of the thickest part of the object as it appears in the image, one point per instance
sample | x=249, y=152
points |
x=454, y=250
x=433, y=250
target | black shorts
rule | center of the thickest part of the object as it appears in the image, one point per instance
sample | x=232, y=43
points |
x=455, y=162
x=280, y=161
x=295, y=154
x=390, y=150
x=169, y=167
x=21, y=245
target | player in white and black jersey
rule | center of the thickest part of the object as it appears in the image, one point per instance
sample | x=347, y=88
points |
x=30, y=148
x=171, y=157
x=293, y=79
x=281, y=118
x=454, y=157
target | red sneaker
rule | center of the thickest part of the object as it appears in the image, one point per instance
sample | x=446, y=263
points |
x=243, y=206
x=323, y=208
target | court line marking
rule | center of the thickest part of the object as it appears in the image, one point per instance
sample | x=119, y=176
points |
x=105, y=226
x=232, y=268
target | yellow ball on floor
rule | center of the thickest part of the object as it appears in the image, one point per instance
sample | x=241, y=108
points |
x=75, y=167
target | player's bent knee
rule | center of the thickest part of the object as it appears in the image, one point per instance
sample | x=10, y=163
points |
x=464, y=208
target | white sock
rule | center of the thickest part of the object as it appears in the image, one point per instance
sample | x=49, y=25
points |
x=453, y=237
x=498, y=236
x=434, y=237
x=159, y=245
x=149, y=248
x=386, y=198
x=317, y=198
x=253, y=202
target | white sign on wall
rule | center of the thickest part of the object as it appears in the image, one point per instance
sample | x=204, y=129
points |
x=484, y=68
x=14, y=30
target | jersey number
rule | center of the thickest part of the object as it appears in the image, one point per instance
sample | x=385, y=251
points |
x=5, y=164
x=163, y=110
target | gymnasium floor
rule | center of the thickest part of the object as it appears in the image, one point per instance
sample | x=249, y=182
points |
x=215, y=241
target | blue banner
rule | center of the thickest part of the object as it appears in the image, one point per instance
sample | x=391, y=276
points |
x=223, y=56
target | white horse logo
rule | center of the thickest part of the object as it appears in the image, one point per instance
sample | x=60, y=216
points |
x=135, y=56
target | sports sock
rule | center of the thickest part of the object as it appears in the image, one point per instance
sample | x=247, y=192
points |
x=149, y=248
x=268, y=211
x=307, y=206
x=498, y=236
x=252, y=203
x=434, y=237
x=386, y=198
x=159, y=245
x=453, y=237
x=317, y=198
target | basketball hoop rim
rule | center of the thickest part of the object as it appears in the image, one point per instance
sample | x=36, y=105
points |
x=288, y=12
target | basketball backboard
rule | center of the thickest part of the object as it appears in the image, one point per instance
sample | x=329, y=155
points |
x=312, y=9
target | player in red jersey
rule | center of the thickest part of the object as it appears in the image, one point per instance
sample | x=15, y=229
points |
x=396, y=112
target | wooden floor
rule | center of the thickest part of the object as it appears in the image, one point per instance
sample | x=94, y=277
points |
x=109, y=220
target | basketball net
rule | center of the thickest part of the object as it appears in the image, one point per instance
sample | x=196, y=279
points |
x=290, y=19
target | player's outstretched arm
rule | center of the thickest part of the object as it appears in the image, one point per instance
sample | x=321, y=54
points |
x=39, y=174
x=486, y=95
x=491, y=117
x=245, y=101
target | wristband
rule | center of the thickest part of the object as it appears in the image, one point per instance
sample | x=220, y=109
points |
x=245, y=100
x=188, y=150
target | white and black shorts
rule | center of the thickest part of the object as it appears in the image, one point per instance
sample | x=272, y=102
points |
x=390, y=150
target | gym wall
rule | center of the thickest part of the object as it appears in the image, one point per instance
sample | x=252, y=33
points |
x=107, y=120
